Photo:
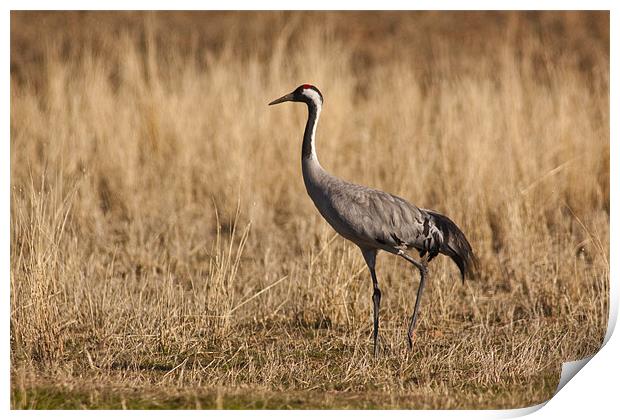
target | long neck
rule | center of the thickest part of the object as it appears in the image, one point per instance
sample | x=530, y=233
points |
x=315, y=177
x=308, y=150
x=313, y=172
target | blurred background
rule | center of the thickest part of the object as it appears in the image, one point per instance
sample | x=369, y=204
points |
x=162, y=238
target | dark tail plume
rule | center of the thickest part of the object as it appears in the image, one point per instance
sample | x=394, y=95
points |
x=456, y=246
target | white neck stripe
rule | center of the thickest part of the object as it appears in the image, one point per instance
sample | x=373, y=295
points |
x=314, y=97
x=312, y=147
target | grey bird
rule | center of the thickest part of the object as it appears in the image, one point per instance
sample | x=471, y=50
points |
x=375, y=220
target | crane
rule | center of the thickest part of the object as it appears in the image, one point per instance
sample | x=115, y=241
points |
x=375, y=220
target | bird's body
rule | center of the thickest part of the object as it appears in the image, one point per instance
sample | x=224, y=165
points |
x=375, y=220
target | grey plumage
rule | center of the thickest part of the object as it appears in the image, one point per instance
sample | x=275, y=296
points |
x=375, y=220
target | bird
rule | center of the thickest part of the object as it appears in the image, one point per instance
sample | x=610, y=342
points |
x=375, y=220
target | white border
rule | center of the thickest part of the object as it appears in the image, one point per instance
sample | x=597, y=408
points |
x=594, y=393
x=314, y=5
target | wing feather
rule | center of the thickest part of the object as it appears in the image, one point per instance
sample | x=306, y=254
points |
x=378, y=216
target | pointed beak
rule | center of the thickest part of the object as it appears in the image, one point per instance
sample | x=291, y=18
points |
x=285, y=98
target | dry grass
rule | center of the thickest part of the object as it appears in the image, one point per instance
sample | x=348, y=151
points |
x=164, y=252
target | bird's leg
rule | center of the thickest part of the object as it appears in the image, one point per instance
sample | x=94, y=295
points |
x=376, y=300
x=421, y=266
x=414, y=317
x=370, y=256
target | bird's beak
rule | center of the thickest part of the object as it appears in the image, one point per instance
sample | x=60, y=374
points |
x=285, y=98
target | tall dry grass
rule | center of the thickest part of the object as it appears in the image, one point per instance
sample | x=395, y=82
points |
x=161, y=237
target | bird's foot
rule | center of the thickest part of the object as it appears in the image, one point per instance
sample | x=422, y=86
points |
x=382, y=349
x=410, y=338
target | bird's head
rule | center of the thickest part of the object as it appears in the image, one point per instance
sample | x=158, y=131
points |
x=304, y=93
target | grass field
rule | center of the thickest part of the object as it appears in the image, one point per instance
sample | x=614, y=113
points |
x=164, y=253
